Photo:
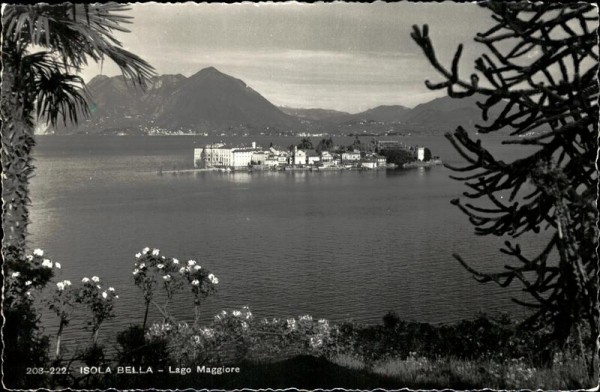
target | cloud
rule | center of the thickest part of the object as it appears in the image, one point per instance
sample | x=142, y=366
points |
x=344, y=56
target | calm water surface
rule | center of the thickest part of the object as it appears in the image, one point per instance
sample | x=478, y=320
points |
x=336, y=245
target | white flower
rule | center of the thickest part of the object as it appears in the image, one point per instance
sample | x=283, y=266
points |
x=142, y=265
x=46, y=263
x=244, y=325
x=29, y=257
x=28, y=283
x=57, y=265
x=175, y=261
x=138, y=255
x=167, y=277
x=291, y=323
x=116, y=296
x=104, y=294
x=181, y=270
x=196, y=339
x=16, y=274
x=95, y=279
x=38, y=252
x=160, y=266
x=60, y=286
x=29, y=293
x=155, y=252
x=98, y=286
x=111, y=289
x=85, y=280
x=67, y=282
x=191, y=262
x=236, y=313
x=197, y=267
x=135, y=271
x=208, y=332
x=316, y=342
x=213, y=279
x=146, y=250
x=163, y=257
x=195, y=282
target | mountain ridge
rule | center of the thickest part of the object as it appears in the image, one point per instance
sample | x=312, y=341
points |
x=212, y=101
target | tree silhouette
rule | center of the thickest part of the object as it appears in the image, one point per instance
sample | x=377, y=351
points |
x=305, y=144
x=539, y=71
x=43, y=48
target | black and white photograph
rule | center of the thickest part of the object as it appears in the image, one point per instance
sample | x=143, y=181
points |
x=275, y=195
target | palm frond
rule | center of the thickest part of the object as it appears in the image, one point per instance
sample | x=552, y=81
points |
x=60, y=96
x=75, y=32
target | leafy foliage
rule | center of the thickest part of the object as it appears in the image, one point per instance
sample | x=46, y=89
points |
x=325, y=145
x=43, y=48
x=305, y=144
x=540, y=71
x=398, y=156
x=151, y=270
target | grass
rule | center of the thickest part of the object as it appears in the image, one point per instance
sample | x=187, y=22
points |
x=347, y=371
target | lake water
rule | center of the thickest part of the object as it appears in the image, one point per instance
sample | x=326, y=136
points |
x=336, y=245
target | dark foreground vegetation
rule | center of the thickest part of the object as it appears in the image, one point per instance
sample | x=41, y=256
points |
x=270, y=353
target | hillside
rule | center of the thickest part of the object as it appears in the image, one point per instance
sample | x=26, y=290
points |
x=211, y=101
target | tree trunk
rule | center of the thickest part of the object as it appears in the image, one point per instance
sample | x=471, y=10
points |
x=17, y=143
x=95, y=335
x=58, y=336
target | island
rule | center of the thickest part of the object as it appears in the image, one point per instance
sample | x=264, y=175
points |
x=376, y=155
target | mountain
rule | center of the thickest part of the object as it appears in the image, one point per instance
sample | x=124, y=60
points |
x=208, y=100
x=213, y=99
x=447, y=113
x=384, y=113
x=117, y=106
x=313, y=114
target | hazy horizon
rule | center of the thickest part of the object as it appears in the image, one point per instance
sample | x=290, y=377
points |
x=338, y=56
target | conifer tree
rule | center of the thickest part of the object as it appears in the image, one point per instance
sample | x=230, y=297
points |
x=539, y=71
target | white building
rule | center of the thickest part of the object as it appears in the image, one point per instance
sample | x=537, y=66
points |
x=241, y=157
x=351, y=156
x=421, y=153
x=299, y=157
x=312, y=157
x=259, y=157
x=213, y=155
x=217, y=155
x=370, y=163
x=326, y=158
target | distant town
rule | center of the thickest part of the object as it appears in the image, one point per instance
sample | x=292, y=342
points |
x=377, y=154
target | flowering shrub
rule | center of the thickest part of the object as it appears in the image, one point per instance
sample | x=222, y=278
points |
x=100, y=302
x=28, y=274
x=62, y=303
x=151, y=270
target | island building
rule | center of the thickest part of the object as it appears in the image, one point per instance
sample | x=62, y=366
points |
x=390, y=145
x=219, y=155
x=420, y=153
x=351, y=156
x=298, y=157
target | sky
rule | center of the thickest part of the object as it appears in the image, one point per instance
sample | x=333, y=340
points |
x=342, y=56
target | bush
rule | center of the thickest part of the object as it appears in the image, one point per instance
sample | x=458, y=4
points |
x=135, y=350
x=391, y=320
